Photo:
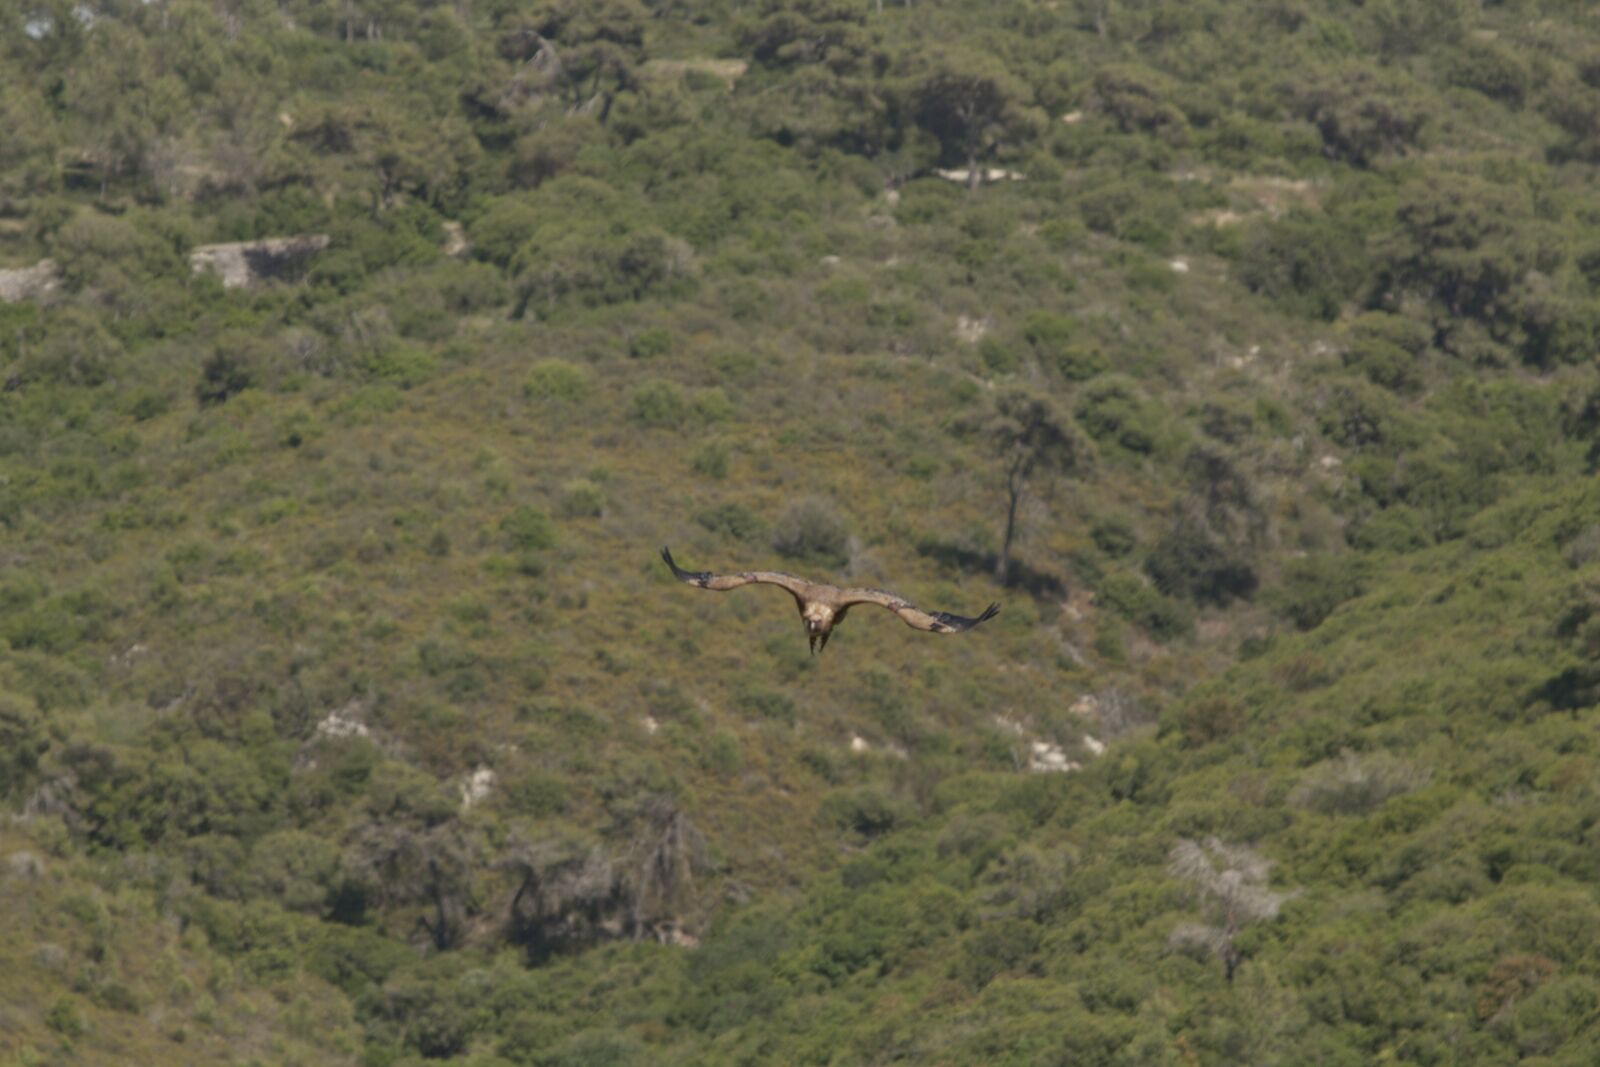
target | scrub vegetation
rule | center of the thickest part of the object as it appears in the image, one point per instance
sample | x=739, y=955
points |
x=1246, y=352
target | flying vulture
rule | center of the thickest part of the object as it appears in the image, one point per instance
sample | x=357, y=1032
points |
x=822, y=607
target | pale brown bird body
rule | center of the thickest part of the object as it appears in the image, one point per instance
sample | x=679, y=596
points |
x=823, y=606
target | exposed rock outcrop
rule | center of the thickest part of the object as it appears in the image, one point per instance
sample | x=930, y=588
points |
x=37, y=282
x=242, y=263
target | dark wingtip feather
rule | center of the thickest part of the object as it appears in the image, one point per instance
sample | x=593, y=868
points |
x=692, y=577
x=959, y=623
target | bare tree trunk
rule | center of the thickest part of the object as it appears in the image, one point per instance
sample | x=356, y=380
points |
x=972, y=171
x=1003, y=567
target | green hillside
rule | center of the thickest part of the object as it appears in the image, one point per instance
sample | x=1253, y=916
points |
x=348, y=714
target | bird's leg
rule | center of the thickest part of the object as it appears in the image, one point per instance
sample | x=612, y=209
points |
x=813, y=643
x=824, y=644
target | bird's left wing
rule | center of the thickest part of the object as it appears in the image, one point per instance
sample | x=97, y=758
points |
x=937, y=622
x=720, y=582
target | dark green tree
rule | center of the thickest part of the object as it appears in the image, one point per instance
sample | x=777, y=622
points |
x=1032, y=437
x=973, y=106
x=595, y=50
x=1208, y=552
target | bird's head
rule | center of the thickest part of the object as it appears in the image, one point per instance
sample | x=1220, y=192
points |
x=819, y=621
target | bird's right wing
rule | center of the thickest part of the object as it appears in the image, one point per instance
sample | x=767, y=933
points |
x=934, y=622
x=721, y=582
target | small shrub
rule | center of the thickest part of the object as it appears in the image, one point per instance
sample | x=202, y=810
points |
x=811, y=528
x=1142, y=605
x=1355, y=784
x=1115, y=537
x=1386, y=349
x=1078, y=363
x=767, y=704
x=733, y=520
x=1307, y=264
x=582, y=499
x=1584, y=548
x=65, y=1018
x=1209, y=719
x=867, y=811
x=648, y=344
x=596, y=1048
x=148, y=402
x=997, y=356
x=539, y=794
x=1394, y=529
x=529, y=529
x=711, y=460
x=1048, y=332
x=1302, y=673
x=225, y=373
x=403, y=365
x=712, y=405
x=660, y=405
x=1151, y=276
x=1313, y=586
x=1114, y=413
x=1191, y=561
x=442, y=657
x=722, y=754
x=1491, y=68
x=556, y=381
x=995, y=947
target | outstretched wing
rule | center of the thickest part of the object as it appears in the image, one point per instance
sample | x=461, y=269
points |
x=720, y=582
x=938, y=622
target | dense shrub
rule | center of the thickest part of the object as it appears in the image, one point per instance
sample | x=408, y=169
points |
x=1311, y=587
x=1354, y=784
x=556, y=381
x=867, y=811
x=582, y=499
x=1138, y=602
x=337, y=716
x=528, y=528
x=662, y=405
x=1114, y=412
x=812, y=529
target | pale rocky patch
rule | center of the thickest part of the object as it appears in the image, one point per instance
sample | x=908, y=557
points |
x=344, y=721
x=24, y=864
x=38, y=282
x=972, y=330
x=1046, y=757
x=477, y=787
x=455, y=239
x=244, y=263
x=985, y=175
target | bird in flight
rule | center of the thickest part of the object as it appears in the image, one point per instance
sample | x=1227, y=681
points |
x=822, y=606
